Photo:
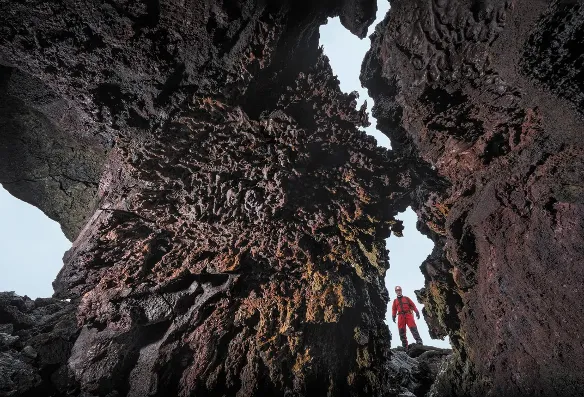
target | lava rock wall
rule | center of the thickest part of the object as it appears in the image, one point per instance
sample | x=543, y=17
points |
x=246, y=259
x=233, y=239
x=77, y=75
x=487, y=94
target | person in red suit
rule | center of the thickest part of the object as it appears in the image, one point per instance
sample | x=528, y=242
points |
x=403, y=307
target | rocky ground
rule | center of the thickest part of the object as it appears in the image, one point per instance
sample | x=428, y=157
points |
x=37, y=339
x=415, y=369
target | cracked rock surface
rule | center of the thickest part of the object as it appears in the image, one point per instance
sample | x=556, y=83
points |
x=230, y=233
x=487, y=94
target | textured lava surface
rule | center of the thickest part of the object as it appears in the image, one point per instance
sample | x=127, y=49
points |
x=229, y=216
x=488, y=94
x=36, y=337
x=76, y=76
x=246, y=258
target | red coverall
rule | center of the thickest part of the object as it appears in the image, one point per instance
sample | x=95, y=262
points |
x=404, y=306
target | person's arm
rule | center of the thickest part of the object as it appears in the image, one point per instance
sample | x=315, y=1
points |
x=413, y=306
x=393, y=310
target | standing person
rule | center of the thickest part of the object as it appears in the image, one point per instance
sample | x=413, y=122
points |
x=404, y=306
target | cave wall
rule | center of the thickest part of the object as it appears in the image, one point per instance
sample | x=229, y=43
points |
x=488, y=94
x=43, y=158
x=234, y=242
x=88, y=74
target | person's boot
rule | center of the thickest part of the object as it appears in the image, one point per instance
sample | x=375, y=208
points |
x=416, y=335
x=403, y=337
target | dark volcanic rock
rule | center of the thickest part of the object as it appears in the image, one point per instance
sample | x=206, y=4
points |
x=36, y=337
x=483, y=93
x=45, y=159
x=230, y=217
x=236, y=240
x=247, y=260
x=84, y=75
x=416, y=369
x=552, y=53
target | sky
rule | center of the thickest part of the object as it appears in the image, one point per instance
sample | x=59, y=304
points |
x=346, y=52
x=32, y=245
x=31, y=248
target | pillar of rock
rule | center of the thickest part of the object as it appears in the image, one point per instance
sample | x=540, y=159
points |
x=233, y=237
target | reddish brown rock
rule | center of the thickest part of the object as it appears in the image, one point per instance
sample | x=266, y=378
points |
x=483, y=93
x=246, y=258
x=236, y=241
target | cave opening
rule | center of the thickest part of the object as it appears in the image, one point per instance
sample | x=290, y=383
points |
x=32, y=247
x=346, y=52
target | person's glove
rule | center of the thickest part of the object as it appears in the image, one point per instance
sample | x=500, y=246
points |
x=393, y=319
x=418, y=315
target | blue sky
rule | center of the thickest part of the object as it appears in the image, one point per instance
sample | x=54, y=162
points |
x=32, y=245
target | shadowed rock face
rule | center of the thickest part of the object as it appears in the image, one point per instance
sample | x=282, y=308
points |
x=417, y=368
x=488, y=94
x=43, y=157
x=36, y=337
x=80, y=76
x=235, y=242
